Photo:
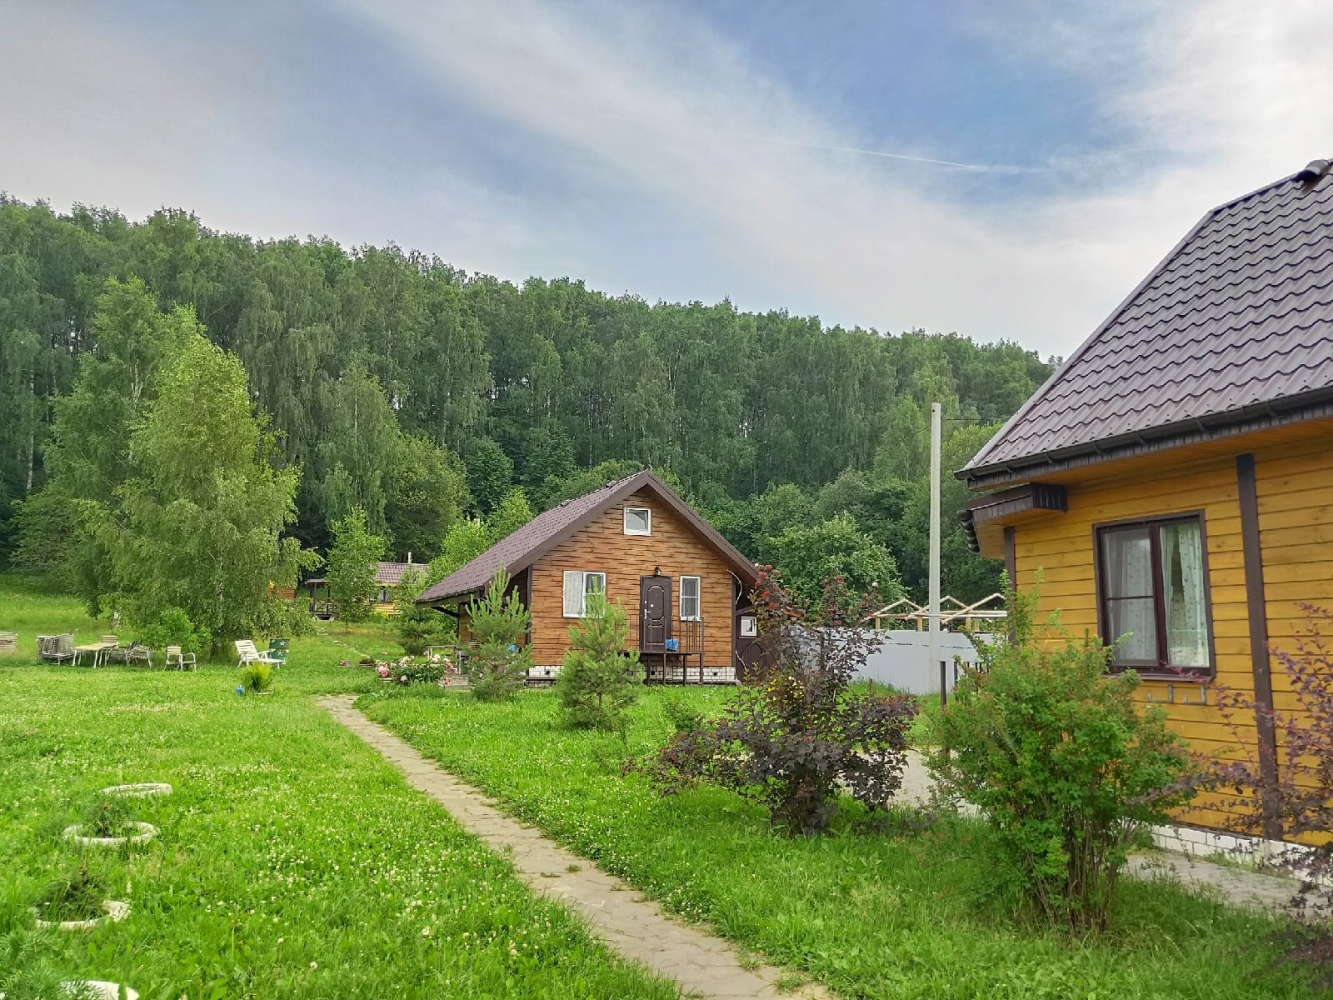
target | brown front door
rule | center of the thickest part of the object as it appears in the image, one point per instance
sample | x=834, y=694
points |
x=654, y=613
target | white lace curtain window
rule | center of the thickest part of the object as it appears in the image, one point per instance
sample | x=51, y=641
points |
x=1183, y=598
x=1129, y=583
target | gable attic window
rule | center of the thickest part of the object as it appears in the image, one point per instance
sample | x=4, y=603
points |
x=578, y=585
x=1152, y=594
x=638, y=521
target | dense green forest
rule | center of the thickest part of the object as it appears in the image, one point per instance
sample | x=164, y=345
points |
x=396, y=383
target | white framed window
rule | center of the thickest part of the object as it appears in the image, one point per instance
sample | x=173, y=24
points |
x=578, y=585
x=690, y=609
x=749, y=626
x=638, y=521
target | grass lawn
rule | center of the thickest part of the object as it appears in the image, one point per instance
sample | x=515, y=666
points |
x=870, y=914
x=291, y=860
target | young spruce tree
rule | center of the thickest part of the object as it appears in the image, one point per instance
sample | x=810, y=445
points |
x=500, y=624
x=598, y=679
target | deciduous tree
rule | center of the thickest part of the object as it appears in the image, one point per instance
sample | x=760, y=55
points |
x=352, y=567
x=200, y=524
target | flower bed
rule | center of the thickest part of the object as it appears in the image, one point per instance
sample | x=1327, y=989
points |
x=144, y=832
x=409, y=670
x=114, y=912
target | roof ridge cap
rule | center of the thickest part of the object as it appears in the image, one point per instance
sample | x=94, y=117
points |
x=1266, y=187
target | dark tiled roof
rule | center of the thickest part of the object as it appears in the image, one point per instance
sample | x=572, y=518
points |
x=523, y=547
x=388, y=573
x=391, y=573
x=1237, y=318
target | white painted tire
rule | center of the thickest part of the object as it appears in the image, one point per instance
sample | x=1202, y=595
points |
x=116, y=911
x=103, y=989
x=140, y=790
x=146, y=833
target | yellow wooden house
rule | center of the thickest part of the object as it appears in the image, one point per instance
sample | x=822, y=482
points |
x=1172, y=482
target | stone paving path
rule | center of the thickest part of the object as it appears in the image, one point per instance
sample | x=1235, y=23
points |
x=1237, y=886
x=635, y=927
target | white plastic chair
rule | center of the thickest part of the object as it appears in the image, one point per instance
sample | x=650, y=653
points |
x=245, y=649
x=179, y=660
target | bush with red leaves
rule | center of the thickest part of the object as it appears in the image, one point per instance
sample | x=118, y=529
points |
x=1299, y=798
x=797, y=733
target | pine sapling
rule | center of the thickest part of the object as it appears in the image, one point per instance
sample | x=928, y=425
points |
x=599, y=680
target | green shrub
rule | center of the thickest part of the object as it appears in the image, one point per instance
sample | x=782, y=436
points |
x=598, y=680
x=174, y=628
x=1061, y=761
x=502, y=660
x=411, y=670
x=256, y=677
x=795, y=736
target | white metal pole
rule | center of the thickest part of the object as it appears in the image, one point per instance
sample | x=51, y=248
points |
x=936, y=419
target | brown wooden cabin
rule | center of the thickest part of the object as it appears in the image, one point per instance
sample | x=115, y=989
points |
x=685, y=588
x=1171, y=482
x=387, y=574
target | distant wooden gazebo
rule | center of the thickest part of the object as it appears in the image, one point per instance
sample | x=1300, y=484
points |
x=387, y=574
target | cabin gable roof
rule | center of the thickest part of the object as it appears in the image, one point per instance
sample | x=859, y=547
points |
x=529, y=543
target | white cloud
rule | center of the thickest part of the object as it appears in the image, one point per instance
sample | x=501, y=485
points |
x=767, y=200
x=101, y=112
x=1234, y=94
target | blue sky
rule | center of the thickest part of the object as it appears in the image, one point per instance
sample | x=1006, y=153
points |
x=991, y=168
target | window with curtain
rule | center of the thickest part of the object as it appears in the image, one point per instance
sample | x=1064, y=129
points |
x=689, y=599
x=1154, y=594
x=578, y=585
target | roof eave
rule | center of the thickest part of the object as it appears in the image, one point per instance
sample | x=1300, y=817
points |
x=1256, y=416
x=1083, y=348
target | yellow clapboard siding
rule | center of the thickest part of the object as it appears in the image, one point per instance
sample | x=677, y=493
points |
x=1288, y=559
x=1311, y=587
x=1223, y=536
x=1290, y=535
x=1294, y=483
x=1312, y=502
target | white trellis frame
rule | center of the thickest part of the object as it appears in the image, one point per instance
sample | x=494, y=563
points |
x=952, y=611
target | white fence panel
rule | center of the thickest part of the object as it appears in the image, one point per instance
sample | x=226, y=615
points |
x=902, y=660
